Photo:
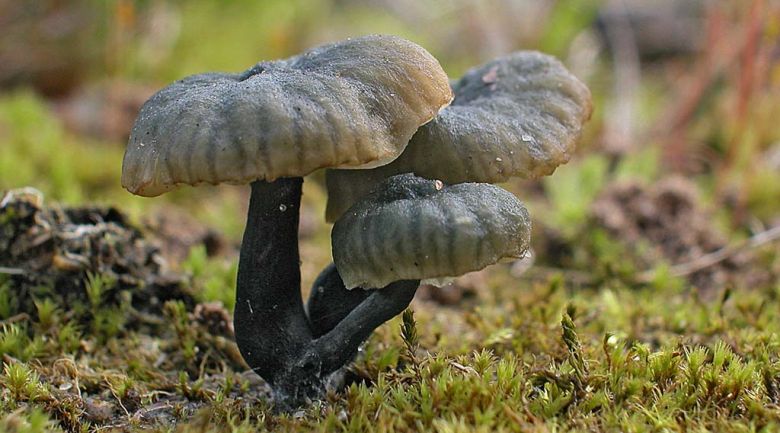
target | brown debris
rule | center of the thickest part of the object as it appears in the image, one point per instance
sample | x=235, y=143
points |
x=668, y=216
x=98, y=411
x=178, y=233
x=59, y=248
x=454, y=292
x=215, y=318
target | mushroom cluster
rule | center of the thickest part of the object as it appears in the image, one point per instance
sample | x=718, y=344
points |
x=402, y=213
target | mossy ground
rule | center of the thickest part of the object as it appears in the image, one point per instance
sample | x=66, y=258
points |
x=541, y=349
x=540, y=356
x=602, y=333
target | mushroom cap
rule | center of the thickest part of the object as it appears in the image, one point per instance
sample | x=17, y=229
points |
x=516, y=116
x=412, y=228
x=354, y=103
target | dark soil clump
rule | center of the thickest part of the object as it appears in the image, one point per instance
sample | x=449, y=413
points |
x=666, y=221
x=55, y=252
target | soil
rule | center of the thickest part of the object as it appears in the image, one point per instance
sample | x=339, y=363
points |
x=51, y=251
x=178, y=233
x=669, y=218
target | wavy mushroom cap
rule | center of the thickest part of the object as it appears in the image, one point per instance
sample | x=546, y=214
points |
x=412, y=228
x=517, y=116
x=354, y=103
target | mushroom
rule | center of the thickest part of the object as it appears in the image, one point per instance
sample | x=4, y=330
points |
x=356, y=104
x=516, y=116
x=411, y=228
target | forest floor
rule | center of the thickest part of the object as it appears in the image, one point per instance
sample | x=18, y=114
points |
x=100, y=333
x=650, y=301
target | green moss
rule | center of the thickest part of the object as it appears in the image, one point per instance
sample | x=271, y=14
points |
x=28, y=421
x=600, y=360
x=37, y=151
x=571, y=191
x=213, y=278
x=547, y=352
x=8, y=302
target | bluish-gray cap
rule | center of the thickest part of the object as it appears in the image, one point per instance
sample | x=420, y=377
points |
x=354, y=103
x=410, y=228
x=517, y=116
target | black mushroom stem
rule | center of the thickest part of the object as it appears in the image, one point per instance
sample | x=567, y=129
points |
x=330, y=301
x=272, y=331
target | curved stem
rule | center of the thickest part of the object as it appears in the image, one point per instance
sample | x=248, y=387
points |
x=330, y=302
x=341, y=344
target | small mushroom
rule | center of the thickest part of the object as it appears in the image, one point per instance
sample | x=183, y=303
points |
x=354, y=103
x=410, y=228
x=516, y=116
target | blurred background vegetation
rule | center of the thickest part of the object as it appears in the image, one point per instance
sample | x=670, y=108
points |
x=670, y=206
x=681, y=87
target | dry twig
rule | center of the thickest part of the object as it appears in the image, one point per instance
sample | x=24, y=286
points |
x=11, y=271
x=717, y=256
